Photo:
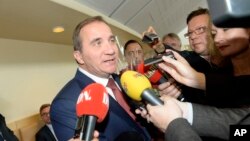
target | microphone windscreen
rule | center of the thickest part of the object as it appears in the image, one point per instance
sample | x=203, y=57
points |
x=140, y=68
x=93, y=100
x=134, y=83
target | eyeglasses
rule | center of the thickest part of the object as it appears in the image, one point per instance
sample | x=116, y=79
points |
x=197, y=31
x=213, y=32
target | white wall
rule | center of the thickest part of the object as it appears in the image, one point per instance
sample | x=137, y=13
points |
x=31, y=74
x=183, y=39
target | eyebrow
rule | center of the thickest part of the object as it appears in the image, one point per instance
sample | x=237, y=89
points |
x=199, y=27
x=112, y=37
x=95, y=40
x=99, y=38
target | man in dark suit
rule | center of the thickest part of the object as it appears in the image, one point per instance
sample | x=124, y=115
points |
x=46, y=133
x=5, y=133
x=96, y=52
x=185, y=121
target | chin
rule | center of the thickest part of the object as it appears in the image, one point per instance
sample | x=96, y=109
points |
x=111, y=71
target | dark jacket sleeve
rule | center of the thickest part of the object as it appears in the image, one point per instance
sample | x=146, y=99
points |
x=227, y=91
x=215, y=122
x=180, y=130
x=6, y=132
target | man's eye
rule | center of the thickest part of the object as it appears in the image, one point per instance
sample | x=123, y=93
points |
x=131, y=53
x=200, y=29
x=112, y=40
x=98, y=43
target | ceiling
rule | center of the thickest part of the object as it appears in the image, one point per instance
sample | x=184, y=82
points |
x=33, y=20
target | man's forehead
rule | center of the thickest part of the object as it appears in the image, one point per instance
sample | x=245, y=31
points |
x=92, y=31
x=133, y=48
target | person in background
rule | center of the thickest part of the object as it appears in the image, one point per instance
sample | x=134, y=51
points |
x=133, y=53
x=96, y=53
x=6, y=134
x=172, y=40
x=227, y=90
x=205, y=57
x=202, y=45
x=46, y=133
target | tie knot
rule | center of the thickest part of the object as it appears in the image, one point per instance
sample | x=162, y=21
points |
x=111, y=83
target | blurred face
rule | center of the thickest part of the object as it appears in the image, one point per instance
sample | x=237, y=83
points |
x=198, y=34
x=99, y=55
x=134, y=53
x=45, y=115
x=173, y=42
x=232, y=41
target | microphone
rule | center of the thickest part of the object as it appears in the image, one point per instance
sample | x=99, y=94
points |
x=155, y=76
x=230, y=13
x=138, y=87
x=92, y=106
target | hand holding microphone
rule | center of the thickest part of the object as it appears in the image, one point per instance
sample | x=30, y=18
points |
x=159, y=77
x=161, y=116
x=92, y=105
x=95, y=137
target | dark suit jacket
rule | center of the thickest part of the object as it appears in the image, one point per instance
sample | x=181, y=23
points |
x=207, y=121
x=6, y=132
x=63, y=113
x=228, y=91
x=44, y=134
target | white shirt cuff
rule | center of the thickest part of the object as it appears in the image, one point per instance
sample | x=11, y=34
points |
x=189, y=114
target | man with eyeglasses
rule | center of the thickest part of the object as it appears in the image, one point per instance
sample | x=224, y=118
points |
x=200, y=39
x=203, y=51
x=46, y=133
x=204, y=57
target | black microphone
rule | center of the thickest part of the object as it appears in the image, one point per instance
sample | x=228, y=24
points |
x=155, y=75
x=230, y=13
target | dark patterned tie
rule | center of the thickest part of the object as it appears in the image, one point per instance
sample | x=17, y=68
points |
x=119, y=97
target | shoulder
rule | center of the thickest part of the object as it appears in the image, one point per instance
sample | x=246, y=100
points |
x=42, y=130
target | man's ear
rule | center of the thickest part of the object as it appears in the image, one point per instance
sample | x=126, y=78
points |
x=78, y=57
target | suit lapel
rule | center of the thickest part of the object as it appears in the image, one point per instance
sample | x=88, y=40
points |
x=49, y=133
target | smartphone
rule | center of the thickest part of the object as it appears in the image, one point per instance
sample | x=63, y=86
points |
x=150, y=38
x=158, y=59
